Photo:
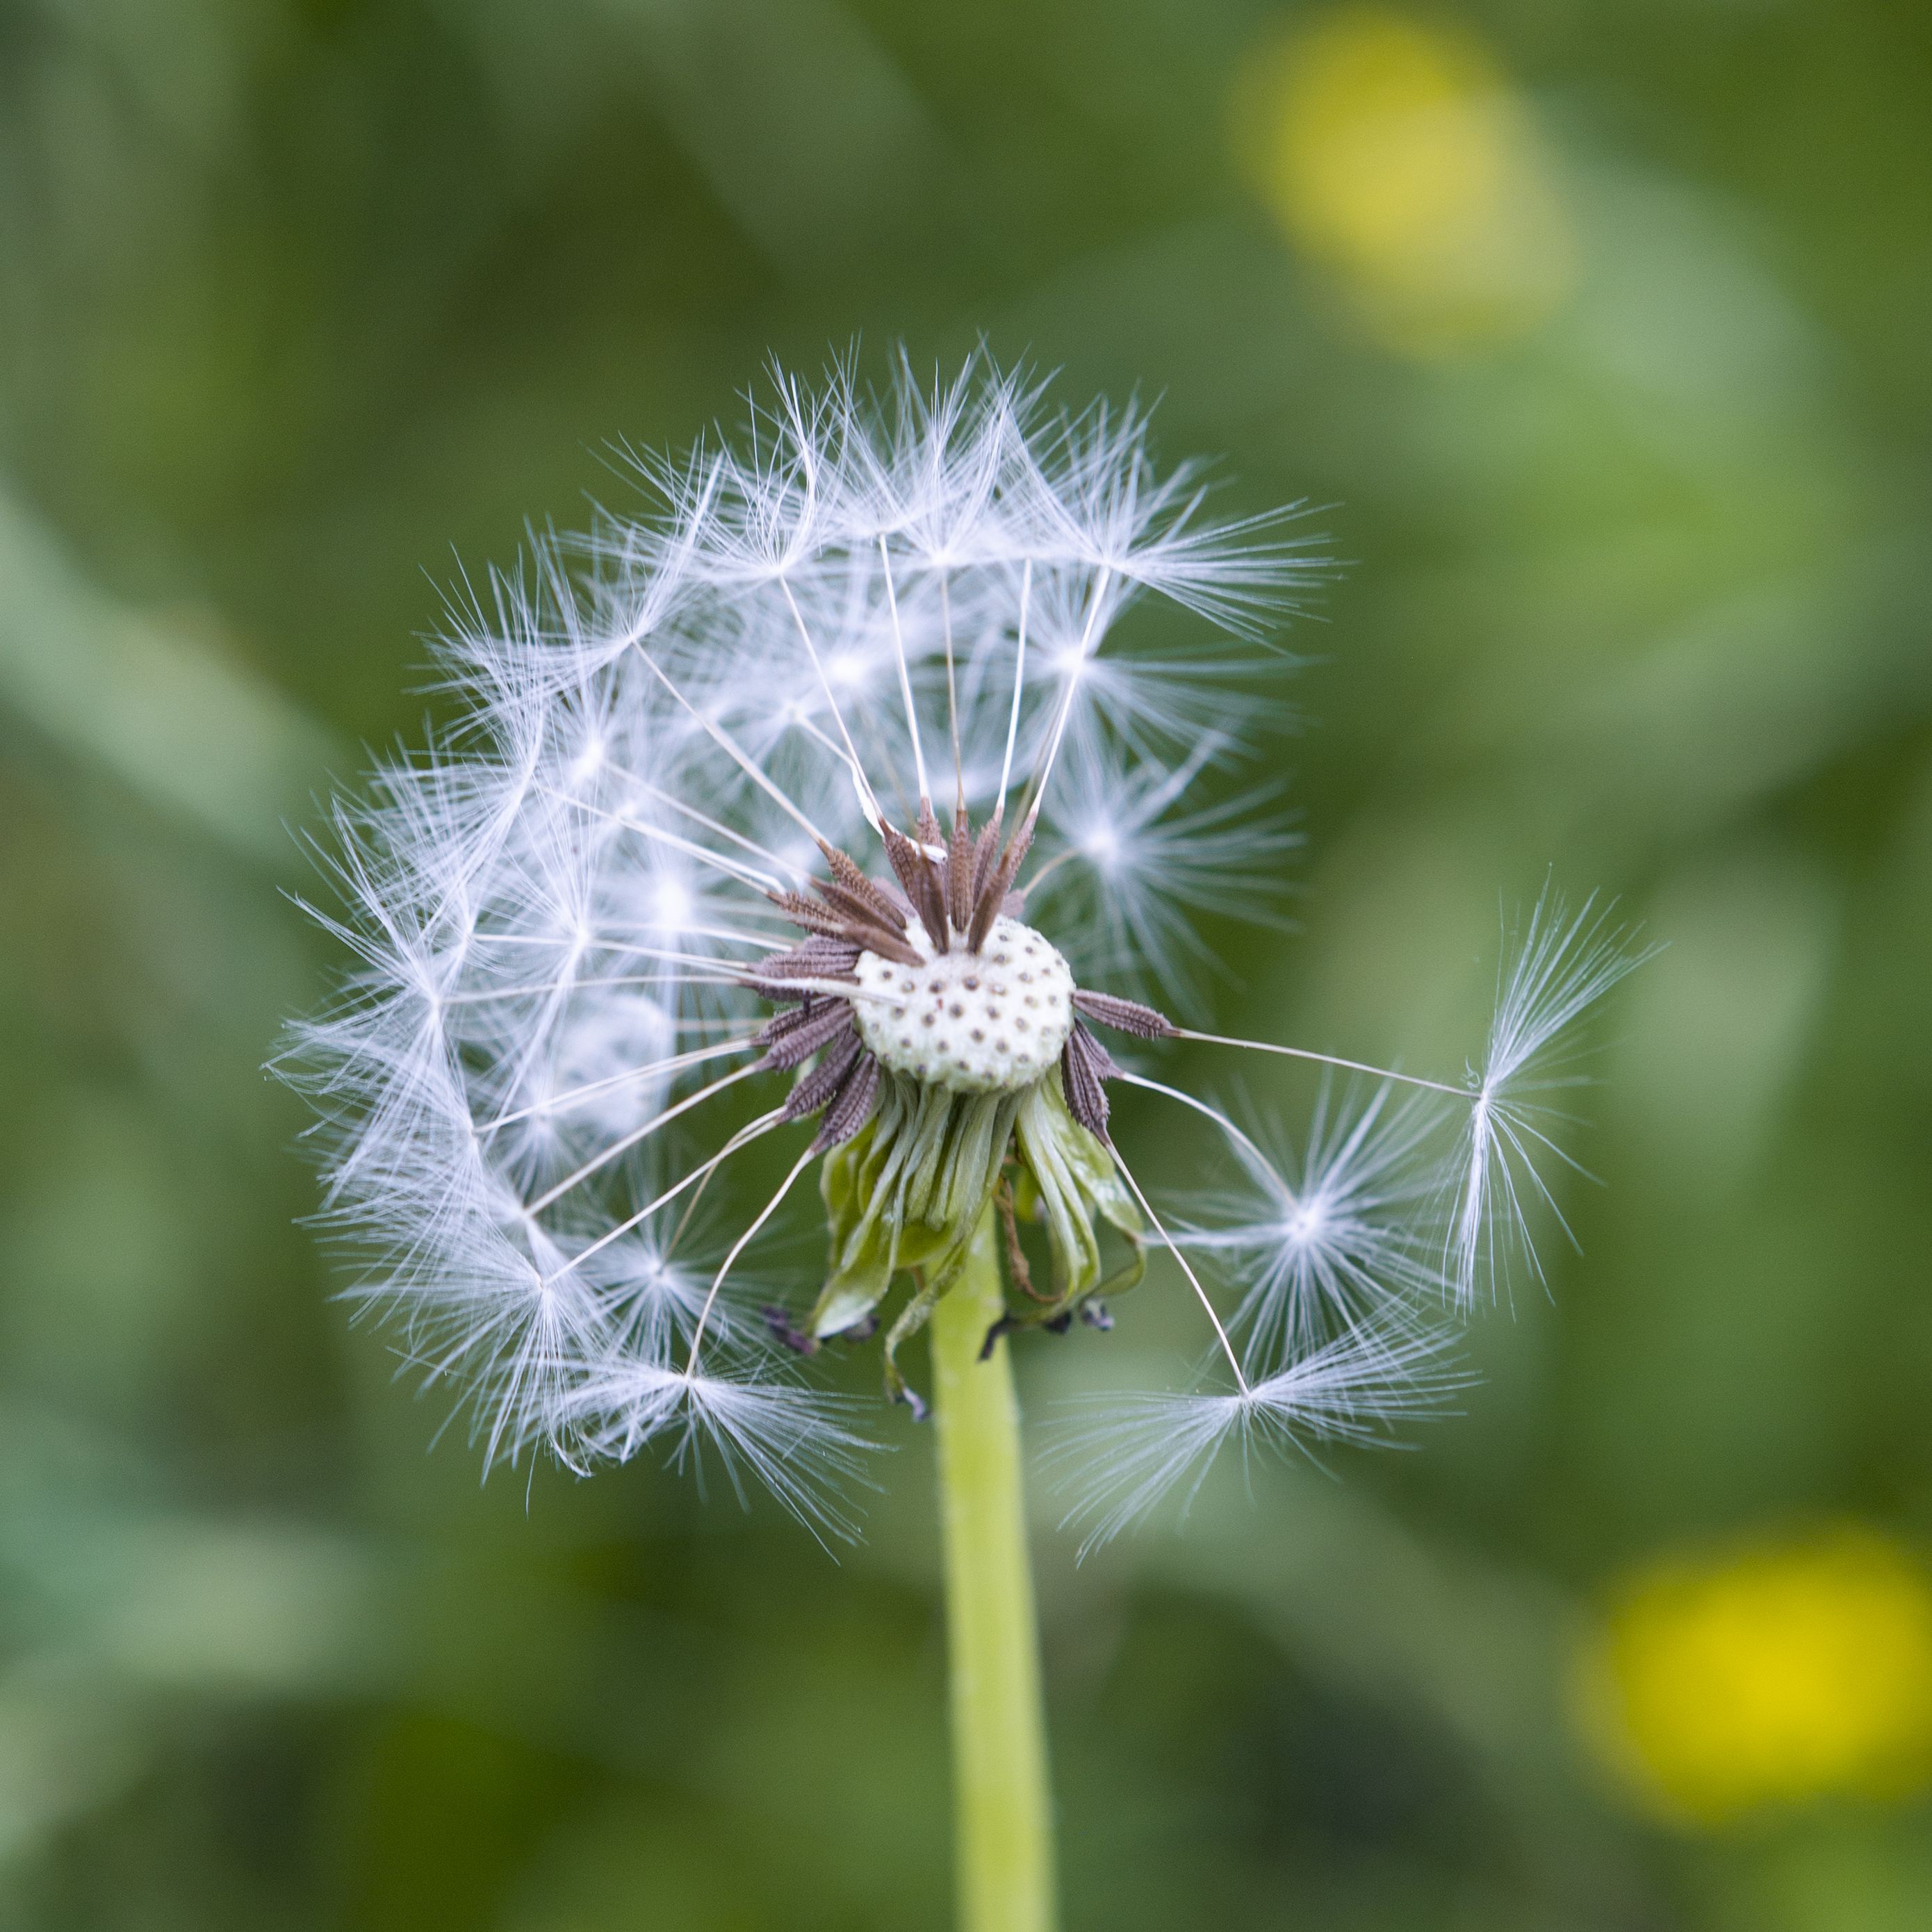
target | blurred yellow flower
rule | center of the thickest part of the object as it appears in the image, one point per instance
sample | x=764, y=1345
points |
x=1768, y=1675
x=1395, y=154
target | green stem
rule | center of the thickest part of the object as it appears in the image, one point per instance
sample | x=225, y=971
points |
x=1002, y=1808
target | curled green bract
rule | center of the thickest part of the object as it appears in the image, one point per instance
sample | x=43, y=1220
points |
x=908, y=1192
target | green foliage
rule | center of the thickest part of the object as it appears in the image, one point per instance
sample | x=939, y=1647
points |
x=908, y=1189
x=294, y=296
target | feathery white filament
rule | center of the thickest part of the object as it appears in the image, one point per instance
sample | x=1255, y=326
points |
x=1564, y=963
x=1019, y=688
x=1193, y=1280
x=905, y=674
x=1122, y=1460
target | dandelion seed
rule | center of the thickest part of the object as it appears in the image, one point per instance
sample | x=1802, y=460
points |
x=1358, y=1388
x=1330, y=1243
x=818, y=821
x=1563, y=964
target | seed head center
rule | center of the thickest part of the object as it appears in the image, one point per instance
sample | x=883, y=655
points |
x=985, y=1022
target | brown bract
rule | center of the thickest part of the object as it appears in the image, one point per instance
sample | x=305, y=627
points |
x=954, y=889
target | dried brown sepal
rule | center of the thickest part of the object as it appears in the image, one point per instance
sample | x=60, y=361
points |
x=852, y=924
x=985, y=850
x=801, y=1011
x=819, y=1023
x=852, y=1107
x=823, y=1081
x=852, y=878
x=993, y=895
x=915, y=873
x=821, y=957
x=865, y=927
x=1085, y=1065
x=810, y=914
x=905, y=860
x=1124, y=1016
x=778, y=991
x=959, y=873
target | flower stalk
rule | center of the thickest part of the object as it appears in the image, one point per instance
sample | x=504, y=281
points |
x=1002, y=1806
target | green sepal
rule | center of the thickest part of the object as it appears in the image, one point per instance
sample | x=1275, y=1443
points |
x=908, y=1191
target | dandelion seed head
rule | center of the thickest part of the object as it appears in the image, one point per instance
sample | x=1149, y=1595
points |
x=824, y=817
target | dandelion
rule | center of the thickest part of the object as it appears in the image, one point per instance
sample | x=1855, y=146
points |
x=812, y=827
x=1726, y=1682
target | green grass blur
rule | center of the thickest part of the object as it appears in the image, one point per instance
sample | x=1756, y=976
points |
x=1602, y=330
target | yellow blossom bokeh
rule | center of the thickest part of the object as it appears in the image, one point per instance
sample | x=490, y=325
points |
x=1768, y=1676
x=1395, y=154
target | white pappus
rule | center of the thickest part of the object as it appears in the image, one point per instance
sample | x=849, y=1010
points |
x=727, y=857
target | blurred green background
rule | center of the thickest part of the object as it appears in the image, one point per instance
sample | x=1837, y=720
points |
x=1603, y=332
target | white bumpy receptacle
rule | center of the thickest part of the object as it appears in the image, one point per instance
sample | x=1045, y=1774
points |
x=985, y=1022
